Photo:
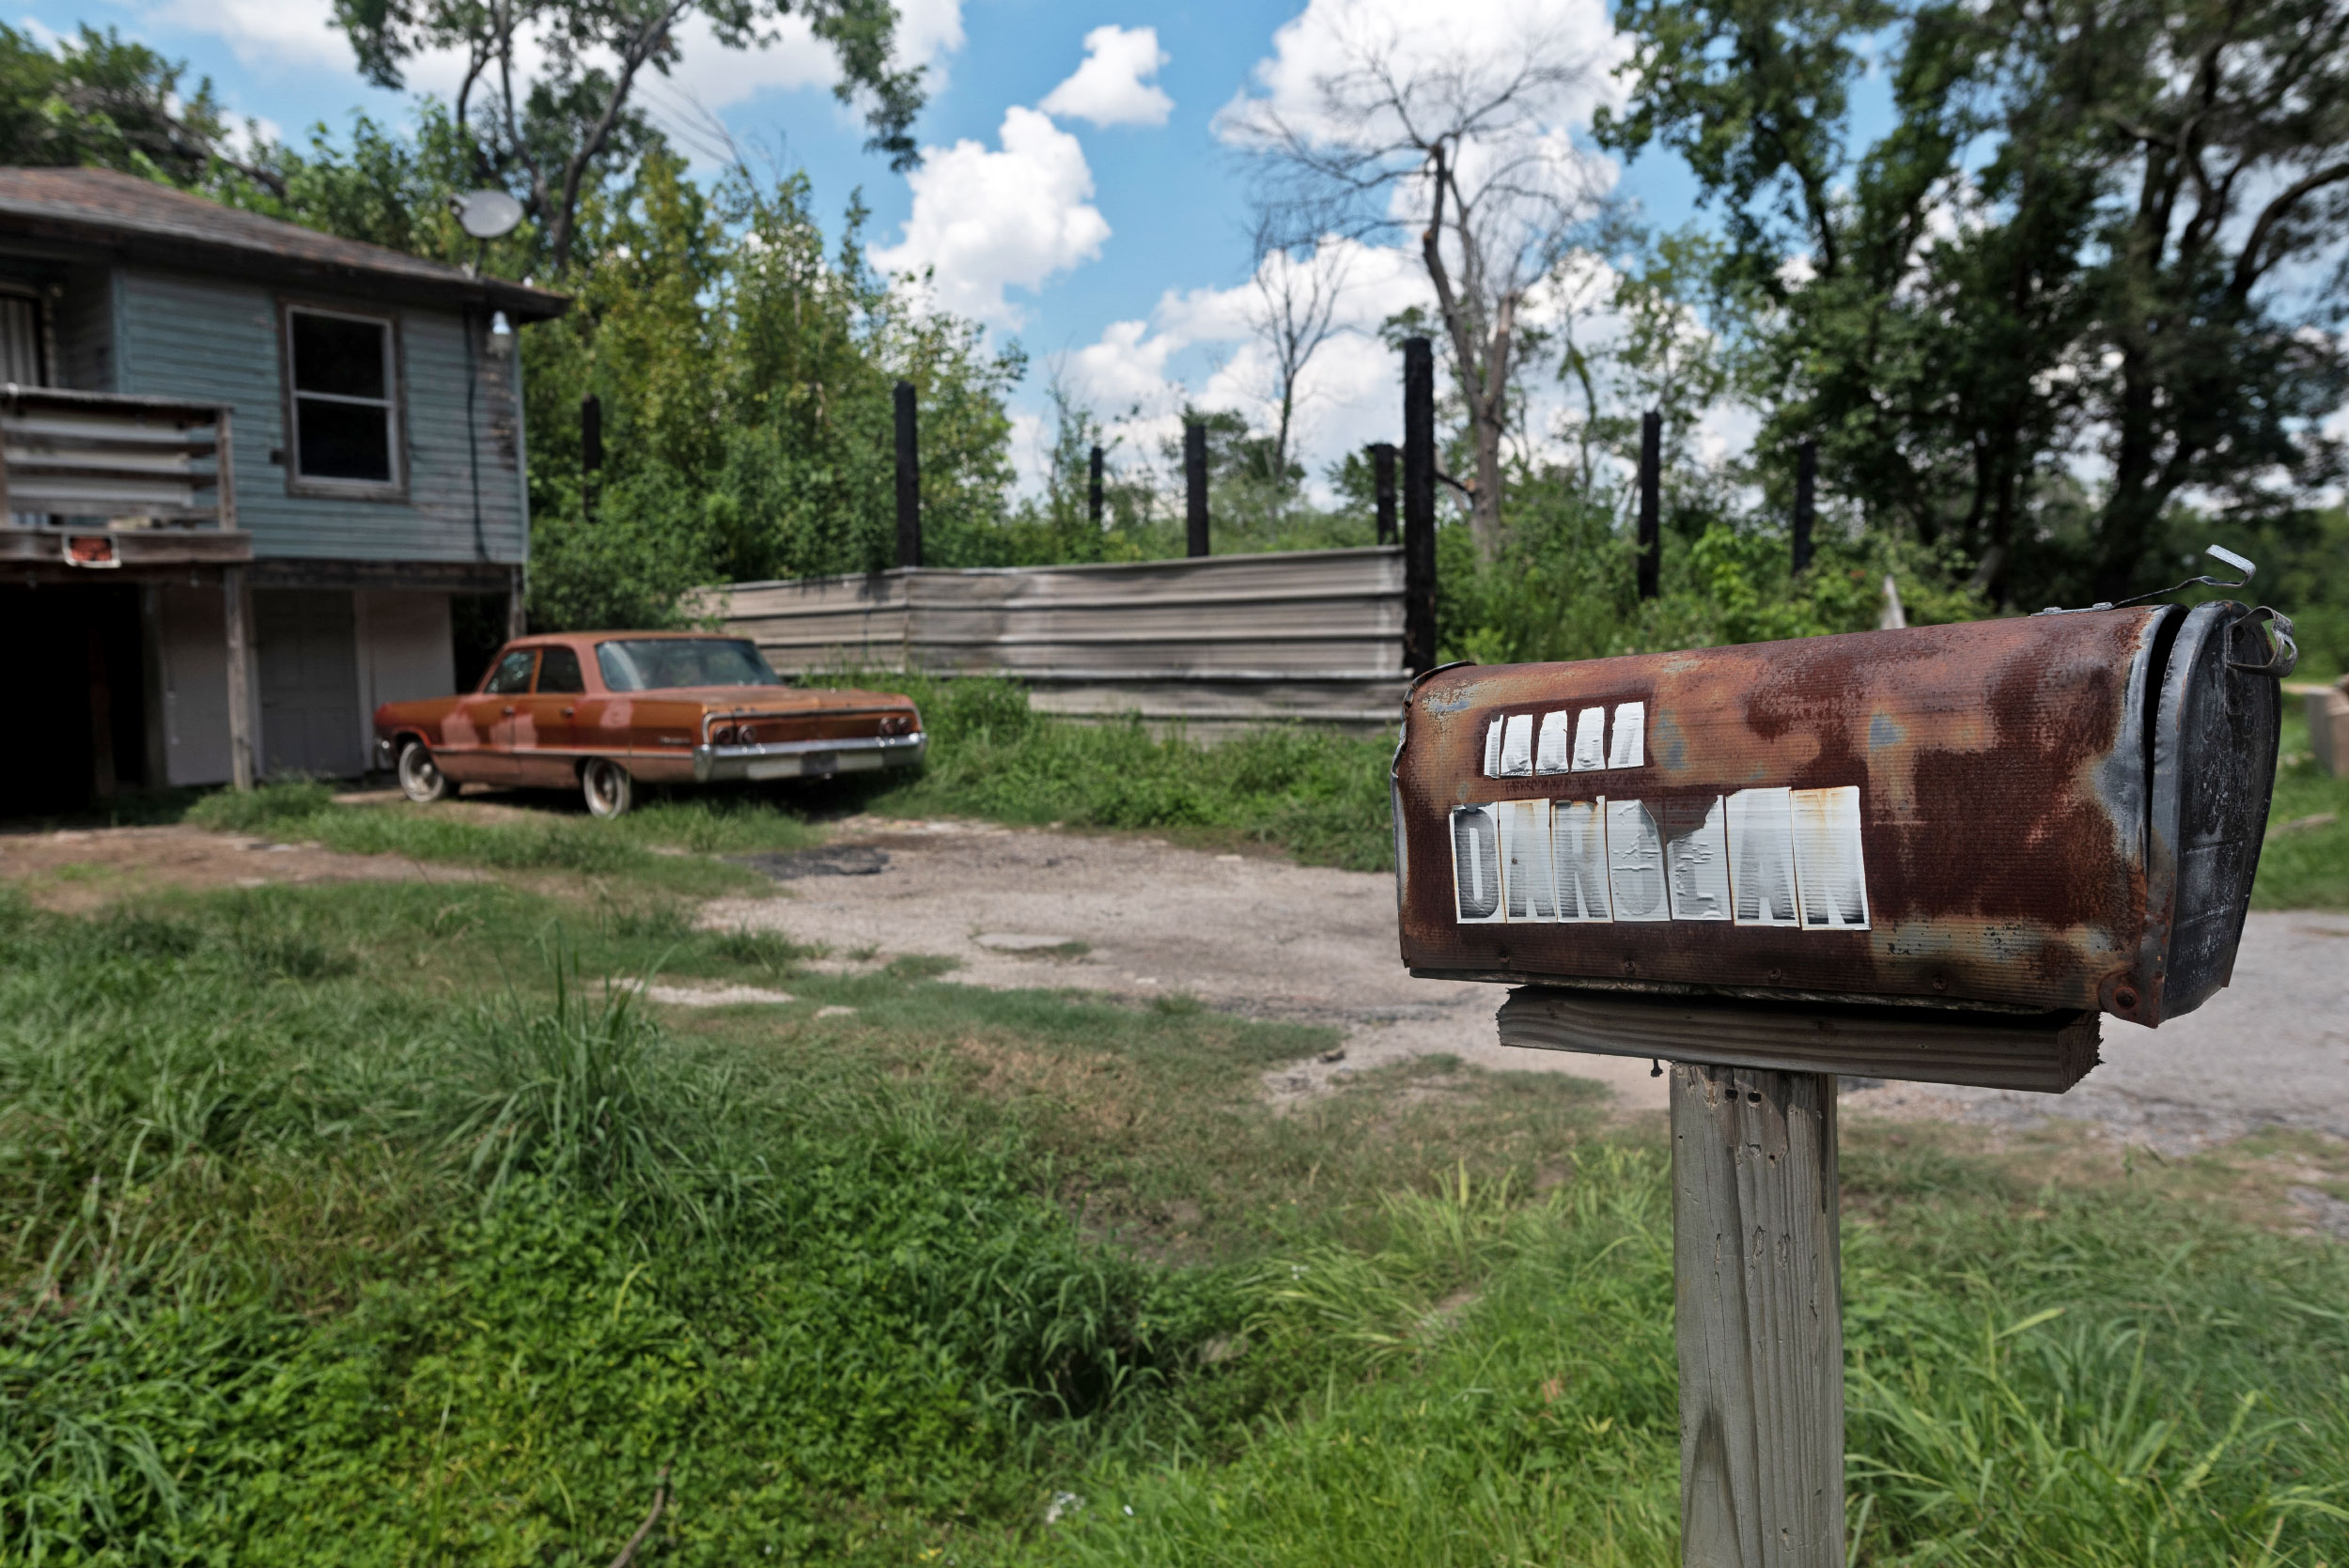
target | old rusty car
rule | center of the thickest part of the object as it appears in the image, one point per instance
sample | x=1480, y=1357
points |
x=605, y=711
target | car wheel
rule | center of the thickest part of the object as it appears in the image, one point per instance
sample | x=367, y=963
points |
x=607, y=787
x=420, y=778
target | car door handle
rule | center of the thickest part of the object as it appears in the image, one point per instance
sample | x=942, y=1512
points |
x=569, y=712
x=508, y=712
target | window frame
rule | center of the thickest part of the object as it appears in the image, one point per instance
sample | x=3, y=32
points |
x=578, y=668
x=395, y=405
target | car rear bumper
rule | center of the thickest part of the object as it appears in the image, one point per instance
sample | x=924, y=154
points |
x=807, y=759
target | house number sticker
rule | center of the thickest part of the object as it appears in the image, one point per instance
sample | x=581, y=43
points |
x=1759, y=857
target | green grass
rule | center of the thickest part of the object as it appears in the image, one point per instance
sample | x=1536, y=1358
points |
x=2304, y=867
x=1317, y=794
x=364, y=1223
x=665, y=844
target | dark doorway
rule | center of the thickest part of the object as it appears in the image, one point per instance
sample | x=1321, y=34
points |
x=75, y=662
x=477, y=630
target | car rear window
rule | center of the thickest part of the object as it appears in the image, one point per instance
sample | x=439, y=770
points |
x=663, y=664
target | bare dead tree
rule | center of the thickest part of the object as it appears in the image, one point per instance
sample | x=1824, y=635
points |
x=1295, y=313
x=1468, y=148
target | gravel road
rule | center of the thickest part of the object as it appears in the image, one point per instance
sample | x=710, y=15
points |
x=1261, y=937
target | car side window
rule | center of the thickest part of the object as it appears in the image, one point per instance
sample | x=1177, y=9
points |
x=512, y=675
x=559, y=671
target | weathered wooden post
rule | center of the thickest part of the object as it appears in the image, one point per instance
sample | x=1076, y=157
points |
x=1382, y=486
x=1805, y=486
x=1939, y=854
x=1758, y=1318
x=1195, y=486
x=1419, y=505
x=1092, y=490
x=1651, y=503
x=909, y=479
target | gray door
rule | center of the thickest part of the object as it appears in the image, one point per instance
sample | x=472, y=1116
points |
x=308, y=652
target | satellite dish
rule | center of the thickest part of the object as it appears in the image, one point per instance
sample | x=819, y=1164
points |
x=486, y=214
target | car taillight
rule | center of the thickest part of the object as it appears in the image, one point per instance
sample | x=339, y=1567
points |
x=722, y=735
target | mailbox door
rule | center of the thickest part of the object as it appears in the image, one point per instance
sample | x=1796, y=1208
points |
x=2216, y=733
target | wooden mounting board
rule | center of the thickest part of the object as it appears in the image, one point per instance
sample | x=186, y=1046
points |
x=2044, y=1052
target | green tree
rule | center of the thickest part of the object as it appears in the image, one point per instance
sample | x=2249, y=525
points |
x=99, y=101
x=2093, y=230
x=556, y=138
x=745, y=377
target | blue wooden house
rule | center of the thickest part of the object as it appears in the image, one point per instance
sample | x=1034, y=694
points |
x=247, y=471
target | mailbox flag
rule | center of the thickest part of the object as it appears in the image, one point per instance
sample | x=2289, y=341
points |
x=1635, y=863
x=1829, y=875
x=1762, y=856
x=1476, y=864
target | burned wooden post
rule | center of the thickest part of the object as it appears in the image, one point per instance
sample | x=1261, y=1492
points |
x=590, y=452
x=909, y=479
x=1806, y=483
x=1195, y=488
x=1419, y=505
x=237, y=611
x=1382, y=486
x=1670, y=860
x=1092, y=490
x=1651, y=502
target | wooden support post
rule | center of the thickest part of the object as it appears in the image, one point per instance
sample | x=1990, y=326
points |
x=1806, y=499
x=1757, y=1275
x=1651, y=503
x=1094, y=495
x=516, y=604
x=1419, y=505
x=1382, y=482
x=237, y=607
x=1195, y=486
x=909, y=479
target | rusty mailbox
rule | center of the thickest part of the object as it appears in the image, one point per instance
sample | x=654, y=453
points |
x=2057, y=815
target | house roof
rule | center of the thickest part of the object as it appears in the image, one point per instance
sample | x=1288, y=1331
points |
x=154, y=223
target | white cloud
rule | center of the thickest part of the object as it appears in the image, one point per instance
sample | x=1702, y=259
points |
x=288, y=32
x=988, y=220
x=709, y=75
x=1349, y=394
x=1112, y=86
x=1443, y=43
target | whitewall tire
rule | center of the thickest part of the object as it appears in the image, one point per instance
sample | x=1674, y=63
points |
x=607, y=787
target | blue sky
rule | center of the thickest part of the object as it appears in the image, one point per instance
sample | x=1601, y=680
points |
x=1105, y=230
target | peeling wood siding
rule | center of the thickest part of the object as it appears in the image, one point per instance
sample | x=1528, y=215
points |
x=196, y=337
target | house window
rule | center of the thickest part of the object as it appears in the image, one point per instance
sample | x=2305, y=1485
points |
x=345, y=414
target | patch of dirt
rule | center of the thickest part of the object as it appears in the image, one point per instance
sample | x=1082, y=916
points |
x=1139, y=917
x=78, y=870
x=708, y=996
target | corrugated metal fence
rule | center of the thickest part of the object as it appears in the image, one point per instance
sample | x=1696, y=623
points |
x=1216, y=642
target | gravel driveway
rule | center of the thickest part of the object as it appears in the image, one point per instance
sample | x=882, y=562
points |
x=1258, y=936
